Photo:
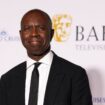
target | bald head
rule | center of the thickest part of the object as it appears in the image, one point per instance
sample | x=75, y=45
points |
x=37, y=12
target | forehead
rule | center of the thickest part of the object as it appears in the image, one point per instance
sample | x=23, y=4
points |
x=35, y=18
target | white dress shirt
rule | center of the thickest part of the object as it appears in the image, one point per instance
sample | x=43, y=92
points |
x=44, y=70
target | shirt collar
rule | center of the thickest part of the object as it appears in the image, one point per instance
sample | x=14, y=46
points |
x=47, y=59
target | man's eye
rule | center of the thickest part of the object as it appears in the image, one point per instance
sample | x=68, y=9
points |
x=26, y=28
x=42, y=28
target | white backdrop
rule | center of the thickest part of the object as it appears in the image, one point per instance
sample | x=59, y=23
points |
x=85, y=44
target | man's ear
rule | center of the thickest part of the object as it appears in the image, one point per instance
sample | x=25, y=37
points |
x=20, y=32
x=52, y=34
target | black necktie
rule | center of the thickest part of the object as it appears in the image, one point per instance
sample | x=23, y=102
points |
x=33, y=96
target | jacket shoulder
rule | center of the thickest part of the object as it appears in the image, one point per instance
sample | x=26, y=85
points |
x=15, y=70
x=69, y=67
x=71, y=70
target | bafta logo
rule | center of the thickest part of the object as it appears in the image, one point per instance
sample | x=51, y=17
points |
x=62, y=26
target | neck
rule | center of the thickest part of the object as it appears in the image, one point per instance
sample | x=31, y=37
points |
x=37, y=57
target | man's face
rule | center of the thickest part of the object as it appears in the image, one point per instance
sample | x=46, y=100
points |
x=36, y=33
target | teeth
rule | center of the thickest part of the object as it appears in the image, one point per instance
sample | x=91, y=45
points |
x=34, y=42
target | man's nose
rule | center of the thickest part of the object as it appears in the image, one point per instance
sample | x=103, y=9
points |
x=34, y=31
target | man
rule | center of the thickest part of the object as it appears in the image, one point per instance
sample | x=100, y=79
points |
x=59, y=81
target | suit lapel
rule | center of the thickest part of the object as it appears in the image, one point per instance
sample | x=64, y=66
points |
x=54, y=82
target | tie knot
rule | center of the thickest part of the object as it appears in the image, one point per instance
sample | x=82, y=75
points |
x=37, y=64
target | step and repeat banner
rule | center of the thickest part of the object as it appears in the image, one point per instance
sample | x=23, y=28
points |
x=79, y=36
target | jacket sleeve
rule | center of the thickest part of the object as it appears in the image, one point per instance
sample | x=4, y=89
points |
x=81, y=94
x=3, y=100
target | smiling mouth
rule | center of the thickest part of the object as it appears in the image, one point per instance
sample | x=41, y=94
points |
x=34, y=42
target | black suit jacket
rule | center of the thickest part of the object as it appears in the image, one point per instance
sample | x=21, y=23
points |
x=67, y=85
